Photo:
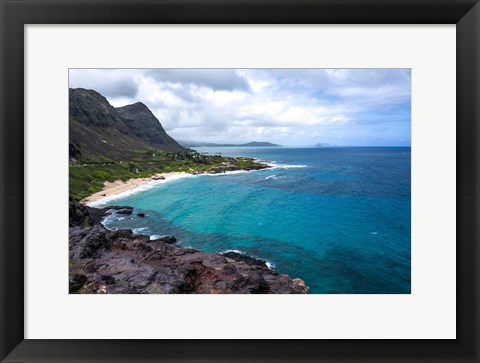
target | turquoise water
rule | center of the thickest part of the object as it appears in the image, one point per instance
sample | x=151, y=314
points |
x=339, y=218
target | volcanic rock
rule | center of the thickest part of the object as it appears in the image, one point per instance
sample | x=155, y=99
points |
x=125, y=211
x=120, y=262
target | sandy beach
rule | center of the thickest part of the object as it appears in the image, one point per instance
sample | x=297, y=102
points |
x=119, y=186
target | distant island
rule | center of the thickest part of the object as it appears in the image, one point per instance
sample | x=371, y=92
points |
x=211, y=144
x=322, y=144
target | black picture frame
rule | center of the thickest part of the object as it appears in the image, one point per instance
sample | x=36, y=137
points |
x=15, y=14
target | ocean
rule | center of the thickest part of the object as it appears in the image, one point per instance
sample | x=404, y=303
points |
x=336, y=217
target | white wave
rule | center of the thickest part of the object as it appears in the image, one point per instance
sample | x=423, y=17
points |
x=285, y=166
x=139, y=229
x=236, y=251
x=271, y=177
x=270, y=265
x=109, y=216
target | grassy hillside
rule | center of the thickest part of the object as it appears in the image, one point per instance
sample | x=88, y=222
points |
x=86, y=179
x=108, y=144
x=100, y=132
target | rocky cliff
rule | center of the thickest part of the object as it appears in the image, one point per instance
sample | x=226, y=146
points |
x=120, y=262
x=143, y=124
x=99, y=132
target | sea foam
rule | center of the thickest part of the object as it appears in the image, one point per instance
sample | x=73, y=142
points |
x=225, y=173
x=236, y=251
x=285, y=166
x=270, y=265
x=139, y=229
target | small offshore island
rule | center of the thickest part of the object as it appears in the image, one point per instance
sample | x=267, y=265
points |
x=113, y=150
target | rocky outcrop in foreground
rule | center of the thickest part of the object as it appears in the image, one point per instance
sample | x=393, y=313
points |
x=120, y=262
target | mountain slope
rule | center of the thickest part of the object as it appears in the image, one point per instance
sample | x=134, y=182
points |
x=98, y=132
x=143, y=124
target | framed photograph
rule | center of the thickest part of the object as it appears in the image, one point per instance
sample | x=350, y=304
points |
x=241, y=181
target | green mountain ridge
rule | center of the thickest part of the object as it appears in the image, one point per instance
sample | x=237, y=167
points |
x=143, y=123
x=100, y=132
x=110, y=144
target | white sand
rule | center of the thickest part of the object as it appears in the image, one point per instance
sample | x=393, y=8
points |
x=112, y=190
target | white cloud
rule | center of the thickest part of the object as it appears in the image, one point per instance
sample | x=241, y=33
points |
x=286, y=106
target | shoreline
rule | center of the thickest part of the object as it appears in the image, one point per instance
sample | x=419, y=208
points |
x=114, y=189
x=227, y=272
x=140, y=265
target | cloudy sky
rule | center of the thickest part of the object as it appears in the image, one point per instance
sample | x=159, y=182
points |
x=291, y=107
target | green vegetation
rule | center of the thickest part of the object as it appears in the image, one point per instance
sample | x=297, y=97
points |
x=109, y=144
x=87, y=176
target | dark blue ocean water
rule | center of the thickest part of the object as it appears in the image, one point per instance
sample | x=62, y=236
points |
x=339, y=218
